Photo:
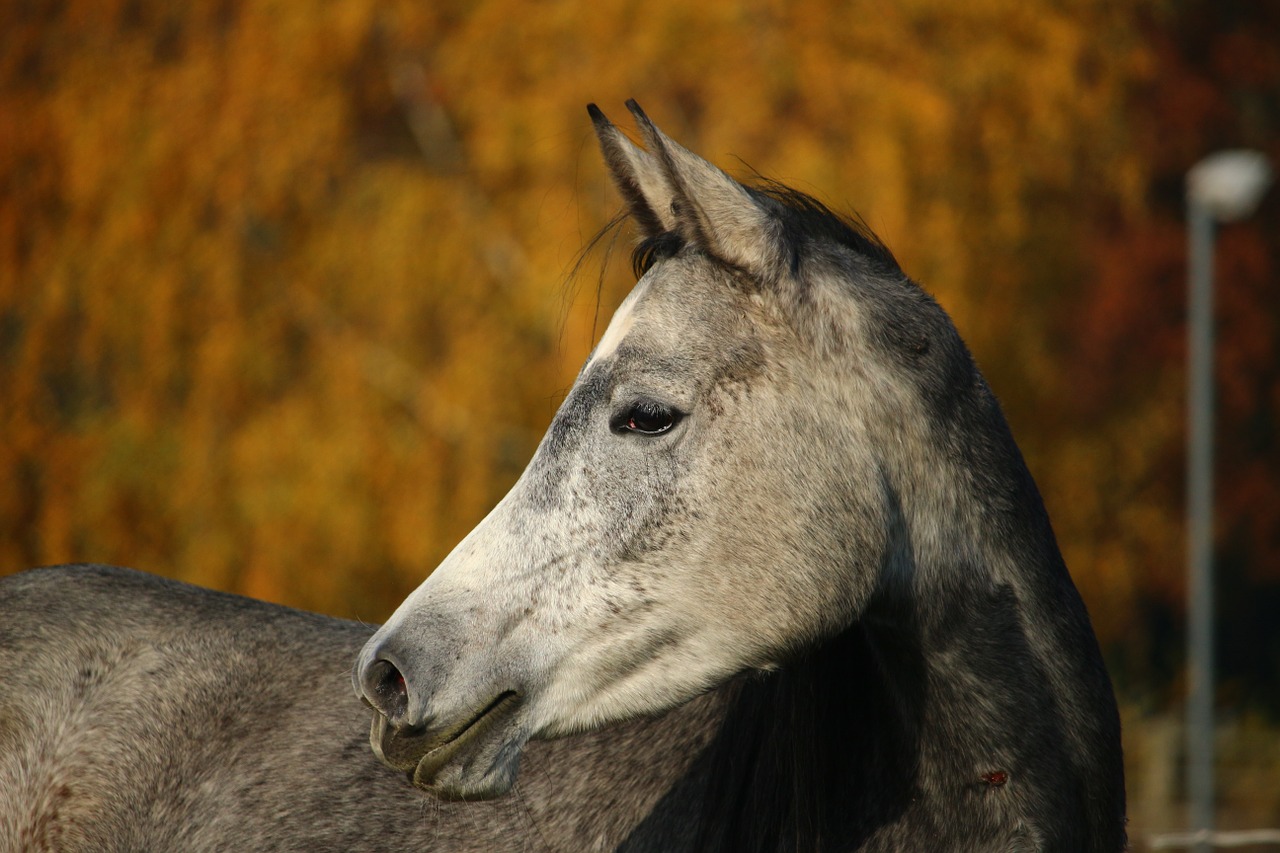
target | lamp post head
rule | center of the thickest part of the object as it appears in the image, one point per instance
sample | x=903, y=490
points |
x=1229, y=184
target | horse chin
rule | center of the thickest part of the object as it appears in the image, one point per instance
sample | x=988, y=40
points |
x=476, y=760
x=462, y=781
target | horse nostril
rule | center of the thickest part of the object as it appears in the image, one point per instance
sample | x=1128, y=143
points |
x=386, y=689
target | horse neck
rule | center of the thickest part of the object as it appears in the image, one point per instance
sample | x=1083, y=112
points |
x=994, y=672
x=969, y=701
x=629, y=786
x=743, y=768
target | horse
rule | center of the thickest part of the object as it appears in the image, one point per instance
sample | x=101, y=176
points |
x=777, y=578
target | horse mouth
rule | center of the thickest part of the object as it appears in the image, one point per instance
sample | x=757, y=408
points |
x=423, y=753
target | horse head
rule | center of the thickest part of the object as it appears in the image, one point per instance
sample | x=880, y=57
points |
x=721, y=489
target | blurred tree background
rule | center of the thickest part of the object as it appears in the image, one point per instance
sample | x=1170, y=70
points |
x=285, y=290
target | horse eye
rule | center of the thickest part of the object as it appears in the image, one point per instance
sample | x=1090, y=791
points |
x=646, y=417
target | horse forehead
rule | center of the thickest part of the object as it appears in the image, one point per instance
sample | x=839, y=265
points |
x=688, y=304
x=679, y=323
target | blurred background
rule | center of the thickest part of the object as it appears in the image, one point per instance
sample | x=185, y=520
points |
x=287, y=290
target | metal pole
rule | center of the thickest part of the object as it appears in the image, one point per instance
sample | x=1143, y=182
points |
x=1200, y=520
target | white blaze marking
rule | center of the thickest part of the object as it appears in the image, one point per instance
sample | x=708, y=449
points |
x=619, y=326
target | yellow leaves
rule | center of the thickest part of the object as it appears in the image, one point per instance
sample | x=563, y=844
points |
x=297, y=469
x=1105, y=493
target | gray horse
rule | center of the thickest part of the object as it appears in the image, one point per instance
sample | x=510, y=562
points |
x=777, y=578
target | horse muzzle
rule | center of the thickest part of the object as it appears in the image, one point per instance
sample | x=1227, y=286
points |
x=457, y=750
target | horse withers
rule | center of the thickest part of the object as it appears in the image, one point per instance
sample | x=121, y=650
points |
x=777, y=578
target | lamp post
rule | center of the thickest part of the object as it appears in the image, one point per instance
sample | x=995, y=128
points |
x=1222, y=187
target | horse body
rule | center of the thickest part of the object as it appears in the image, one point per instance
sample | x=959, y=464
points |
x=138, y=713
x=777, y=578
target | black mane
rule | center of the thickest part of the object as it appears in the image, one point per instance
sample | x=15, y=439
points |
x=812, y=757
x=805, y=221
x=794, y=747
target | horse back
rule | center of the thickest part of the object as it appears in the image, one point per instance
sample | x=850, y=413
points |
x=138, y=713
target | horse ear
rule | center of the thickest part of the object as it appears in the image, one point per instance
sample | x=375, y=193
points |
x=637, y=175
x=668, y=188
x=711, y=209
